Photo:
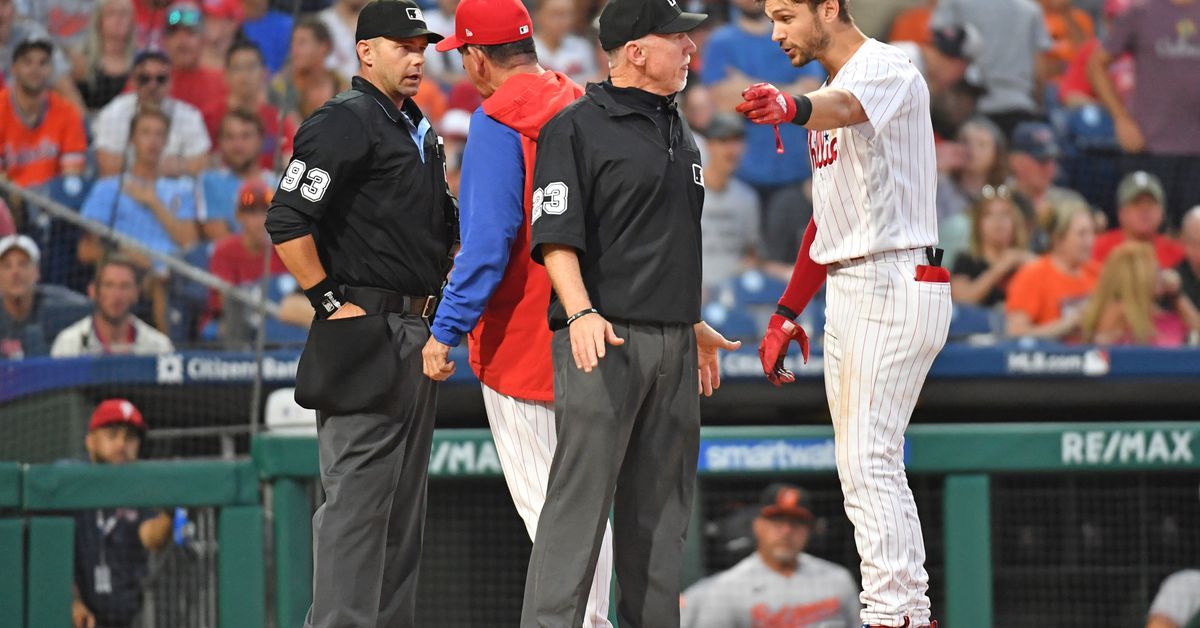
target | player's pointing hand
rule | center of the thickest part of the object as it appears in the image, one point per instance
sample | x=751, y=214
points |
x=766, y=104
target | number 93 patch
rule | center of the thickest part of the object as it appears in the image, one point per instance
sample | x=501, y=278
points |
x=551, y=199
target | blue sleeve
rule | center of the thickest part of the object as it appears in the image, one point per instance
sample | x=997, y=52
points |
x=716, y=58
x=99, y=202
x=491, y=204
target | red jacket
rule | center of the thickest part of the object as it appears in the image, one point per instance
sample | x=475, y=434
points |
x=510, y=347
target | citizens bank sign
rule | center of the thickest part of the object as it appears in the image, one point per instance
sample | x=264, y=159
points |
x=174, y=368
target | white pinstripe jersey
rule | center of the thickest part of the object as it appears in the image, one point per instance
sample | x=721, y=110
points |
x=874, y=182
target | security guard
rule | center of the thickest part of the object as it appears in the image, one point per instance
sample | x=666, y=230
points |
x=616, y=221
x=365, y=222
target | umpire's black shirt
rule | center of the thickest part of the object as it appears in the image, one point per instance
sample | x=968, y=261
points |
x=608, y=183
x=383, y=215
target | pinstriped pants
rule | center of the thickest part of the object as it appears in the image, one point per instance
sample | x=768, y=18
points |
x=883, y=329
x=525, y=436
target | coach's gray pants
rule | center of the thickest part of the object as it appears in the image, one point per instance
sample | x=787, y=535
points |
x=367, y=535
x=628, y=438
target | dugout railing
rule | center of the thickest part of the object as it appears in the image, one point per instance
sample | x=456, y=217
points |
x=1010, y=512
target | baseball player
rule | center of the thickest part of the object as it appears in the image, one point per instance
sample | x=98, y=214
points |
x=497, y=295
x=888, y=299
x=779, y=584
x=1177, y=604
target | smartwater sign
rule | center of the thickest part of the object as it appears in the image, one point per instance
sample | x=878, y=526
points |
x=467, y=457
x=767, y=454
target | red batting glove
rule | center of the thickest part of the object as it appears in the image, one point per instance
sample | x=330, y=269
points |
x=780, y=332
x=765, y=104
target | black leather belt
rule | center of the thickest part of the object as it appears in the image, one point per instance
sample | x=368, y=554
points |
x=378, y=300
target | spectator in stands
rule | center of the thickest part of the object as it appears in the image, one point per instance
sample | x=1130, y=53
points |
x=1123, y=307
x=247, y=79
x=912, y=24
x=238, y=259
x=1177, y=603
x=1075, y=88
x=111, y=544
x=739, y=54
x=786, y=219
x=557, y=47
x=1033, y=162
x=977, y=159
x=1164, y=41
x=1140, y=203
x=187, y=147
x=944, y=58
x=270, y=30
x=240, y=136
x=101, y=66
x=1046, y=296
x=981, y=274
x=446, y=68
x=731, y=217
x=31, y=314
x=779, y=584
x=222, y=25
x=341, y=18
x=111, y=328
x=1012, y=63
x=41, y=133
x=1189, y=268
x=14, y=31
x=183, y=41
x=66, y=20
x=1070, y=28
x=305, y=83
x=142, y=203
x=697, y=107
x=151, y=19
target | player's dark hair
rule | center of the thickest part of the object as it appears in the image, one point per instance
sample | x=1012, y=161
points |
x=843, y=8
x=240, y=45
x=241, y=115
x=314, y=25
x=520, y=52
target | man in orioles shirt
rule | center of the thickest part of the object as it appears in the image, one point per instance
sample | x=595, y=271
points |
x=496, y=292
x=778, y=586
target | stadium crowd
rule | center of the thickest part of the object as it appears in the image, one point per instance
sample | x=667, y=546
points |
x=1068, y=201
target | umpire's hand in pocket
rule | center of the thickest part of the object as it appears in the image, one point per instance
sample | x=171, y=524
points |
x=589, y=335
x=435, y=357
x=348, y=310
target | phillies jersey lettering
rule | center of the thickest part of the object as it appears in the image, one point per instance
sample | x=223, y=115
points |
x=873, y=183
x=822, y=149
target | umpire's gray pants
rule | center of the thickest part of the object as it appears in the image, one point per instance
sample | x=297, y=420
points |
x=628, y=437
x=367, y=535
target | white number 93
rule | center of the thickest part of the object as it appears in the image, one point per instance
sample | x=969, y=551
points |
x=318, y=180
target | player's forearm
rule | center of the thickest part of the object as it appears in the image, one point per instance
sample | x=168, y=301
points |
x=301, y=258
x=1097, y=70
x=834, y=108
x=562, y=264
x=807, y=275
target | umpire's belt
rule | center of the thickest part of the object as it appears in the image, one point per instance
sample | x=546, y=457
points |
x=378, y=301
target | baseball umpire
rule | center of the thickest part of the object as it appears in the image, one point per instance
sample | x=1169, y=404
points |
x=497, y=295
x=616, y=221
x=365, y=222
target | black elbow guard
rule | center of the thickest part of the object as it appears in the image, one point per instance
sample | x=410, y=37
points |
x=285, y=223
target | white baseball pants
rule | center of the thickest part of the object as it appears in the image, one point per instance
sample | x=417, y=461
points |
x=525, y=437
x=882, y=331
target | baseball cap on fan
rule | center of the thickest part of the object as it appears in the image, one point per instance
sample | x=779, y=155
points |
x=627, y=20
x=786, y=500
x=958, y=41
x=488, y=23
x=395, y=19
x=117, y=412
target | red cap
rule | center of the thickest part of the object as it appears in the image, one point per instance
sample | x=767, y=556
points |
x=487, y=23
x=254, y=193
x=228, y=9
x=116, y=411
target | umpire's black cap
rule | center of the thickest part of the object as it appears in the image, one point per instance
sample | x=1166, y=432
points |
x=627, y=20
x=397, y=19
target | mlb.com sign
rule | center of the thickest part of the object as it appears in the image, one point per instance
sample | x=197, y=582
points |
x=1122, y=447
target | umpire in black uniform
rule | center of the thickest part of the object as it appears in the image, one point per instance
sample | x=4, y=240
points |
x=616, y=221
x=365, y=222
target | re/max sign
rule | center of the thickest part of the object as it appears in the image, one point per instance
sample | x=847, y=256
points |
x=1127, y=446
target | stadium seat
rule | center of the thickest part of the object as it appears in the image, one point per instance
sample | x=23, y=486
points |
x=756, y=288
x=733, y=323
x=284, y=416
x=968, y=320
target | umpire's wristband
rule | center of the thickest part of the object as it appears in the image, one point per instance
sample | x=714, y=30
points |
x=325, y=297
x=581, y=314
x=803, y=110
